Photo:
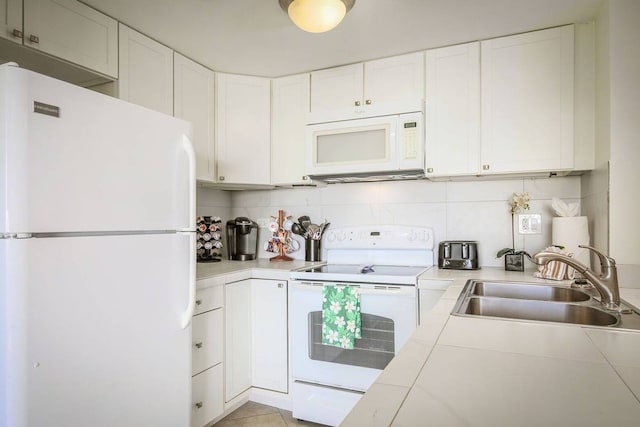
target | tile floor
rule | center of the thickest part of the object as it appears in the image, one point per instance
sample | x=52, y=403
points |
x=253, y=414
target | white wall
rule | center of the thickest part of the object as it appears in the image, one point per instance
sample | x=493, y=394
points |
x=610, y=192
x=474, y=210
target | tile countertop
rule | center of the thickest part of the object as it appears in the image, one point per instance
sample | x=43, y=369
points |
x=461, y=371
x=261, y=268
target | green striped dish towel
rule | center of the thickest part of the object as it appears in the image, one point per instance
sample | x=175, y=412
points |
x=341, y=321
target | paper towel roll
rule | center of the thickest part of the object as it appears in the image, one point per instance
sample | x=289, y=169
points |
x=571, y=232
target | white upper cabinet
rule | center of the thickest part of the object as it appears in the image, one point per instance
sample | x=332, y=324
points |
x=452, y=94
x=398, y=81
x=501, y=106
x=243, y=127
x=66, y=29
x=386, y=85
x=337, y=88
x=146, y=71
x=289, y=105
x=527, y=102
x=194, y=101
x=11, y=20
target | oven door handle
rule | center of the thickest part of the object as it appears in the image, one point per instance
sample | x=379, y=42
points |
x=364, y=289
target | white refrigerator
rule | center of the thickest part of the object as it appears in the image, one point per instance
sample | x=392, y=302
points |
x=97, y=260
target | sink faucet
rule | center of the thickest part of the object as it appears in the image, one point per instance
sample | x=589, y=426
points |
x=606, y=283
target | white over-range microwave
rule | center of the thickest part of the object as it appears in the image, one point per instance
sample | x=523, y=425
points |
x=385, y=147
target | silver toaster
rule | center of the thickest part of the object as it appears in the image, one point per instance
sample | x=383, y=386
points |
x=458, y=255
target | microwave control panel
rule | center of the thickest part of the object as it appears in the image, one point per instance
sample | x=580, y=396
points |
x=410, y=140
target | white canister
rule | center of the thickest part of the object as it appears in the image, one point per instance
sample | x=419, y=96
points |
x=571, y=232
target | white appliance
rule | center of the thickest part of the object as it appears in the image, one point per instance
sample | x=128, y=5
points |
x=384, y=262
x=381, y=147
x=97, y=268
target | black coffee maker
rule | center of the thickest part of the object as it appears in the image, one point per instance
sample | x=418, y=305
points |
x=242, y=239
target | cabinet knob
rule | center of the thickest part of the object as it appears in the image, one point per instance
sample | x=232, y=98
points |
x=198, y=302
x=357, y=103
x=199, y=405
x=429, y=170
x=221, y=178
x=198, y=345
x=280, y=285
x=34, y=39
x=368, y=102
x=16, y=33
x=305, y=178
x=485, y=167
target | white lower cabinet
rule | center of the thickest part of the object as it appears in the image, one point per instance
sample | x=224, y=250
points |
x=269, y=355
x=238, y=338
x=207, y=395
x=207, y=369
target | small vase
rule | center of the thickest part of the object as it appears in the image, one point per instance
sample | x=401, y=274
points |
x=514, y=262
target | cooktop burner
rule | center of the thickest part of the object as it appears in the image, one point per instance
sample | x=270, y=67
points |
x=359, y=273
x=375, y=254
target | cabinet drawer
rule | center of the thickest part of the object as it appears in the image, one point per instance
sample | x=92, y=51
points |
x=209, y=299
x=207, y=335
x=207, y=396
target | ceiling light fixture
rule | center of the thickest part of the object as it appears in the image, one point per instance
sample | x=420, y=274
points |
x=316, y=16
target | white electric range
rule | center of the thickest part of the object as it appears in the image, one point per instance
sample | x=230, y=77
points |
x=384, y=263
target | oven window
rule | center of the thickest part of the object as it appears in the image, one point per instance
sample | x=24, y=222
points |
x=374, y=350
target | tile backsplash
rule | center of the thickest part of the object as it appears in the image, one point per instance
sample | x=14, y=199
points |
x=471, y=210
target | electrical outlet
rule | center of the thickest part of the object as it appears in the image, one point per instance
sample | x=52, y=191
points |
x=530, y=224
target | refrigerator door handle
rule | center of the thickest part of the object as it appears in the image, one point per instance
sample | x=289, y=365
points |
x=187, y=315
x=187, y=146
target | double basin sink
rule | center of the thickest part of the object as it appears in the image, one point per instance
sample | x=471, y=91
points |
x=542, y=303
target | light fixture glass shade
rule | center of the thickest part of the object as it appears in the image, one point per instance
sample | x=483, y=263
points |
x=317, y=16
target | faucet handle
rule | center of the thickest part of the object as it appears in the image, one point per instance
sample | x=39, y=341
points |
x=605, y=260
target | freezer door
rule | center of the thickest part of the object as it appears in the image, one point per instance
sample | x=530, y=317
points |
x=79, y=161
x=92, y=331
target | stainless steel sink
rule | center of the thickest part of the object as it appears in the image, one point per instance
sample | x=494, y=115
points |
x=524, y=301
x=528, y=292
x=539, y=310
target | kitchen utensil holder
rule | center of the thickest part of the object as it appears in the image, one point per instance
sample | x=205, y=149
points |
x=312, y=250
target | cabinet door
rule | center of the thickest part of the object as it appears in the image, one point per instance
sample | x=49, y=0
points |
x=194, y=101
x=208, y=339
x=72, y=31
x=207, y=396
x=395, y=80
x=527, y=102
x=270, y=349
x=146, y=71
x=243, y=129
x=453, y=110
x=237, y=338
x=289, y=105
x=11, y=19
x=337, y=88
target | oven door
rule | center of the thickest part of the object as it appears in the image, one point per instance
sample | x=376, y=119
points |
x=388, y=319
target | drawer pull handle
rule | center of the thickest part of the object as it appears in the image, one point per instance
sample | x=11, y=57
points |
x=198, y=345
x=34, y=39
x=16, y=33
x=199, y=405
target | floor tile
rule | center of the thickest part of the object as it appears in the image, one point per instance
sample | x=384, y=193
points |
x=251, y=409
x=267, y=420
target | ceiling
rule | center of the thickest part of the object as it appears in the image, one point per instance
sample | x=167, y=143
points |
x=256, y=37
